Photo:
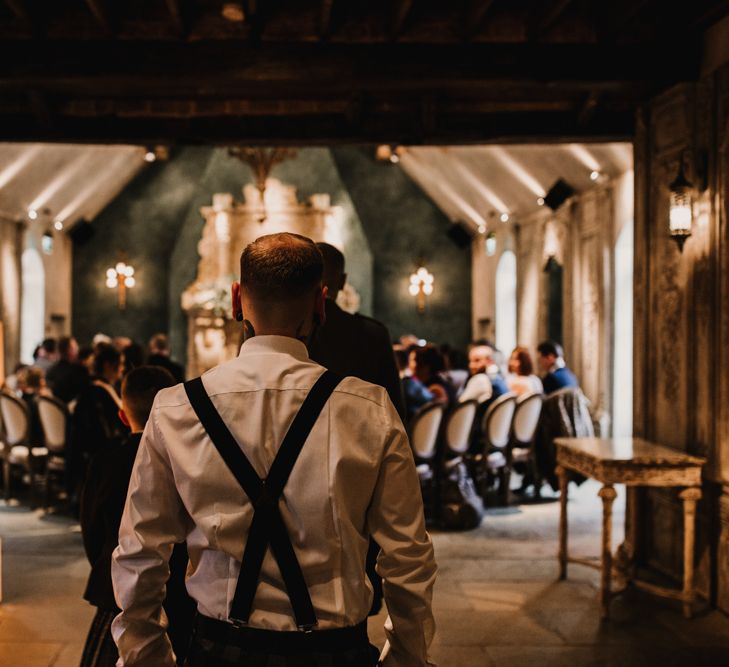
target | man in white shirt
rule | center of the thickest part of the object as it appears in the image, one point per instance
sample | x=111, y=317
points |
x=482, y=369
x=347, y=475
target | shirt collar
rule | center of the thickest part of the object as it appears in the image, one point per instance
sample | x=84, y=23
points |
x=276, y=345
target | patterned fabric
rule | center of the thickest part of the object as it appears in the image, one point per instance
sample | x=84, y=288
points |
x=207, y=653
x=100, y=649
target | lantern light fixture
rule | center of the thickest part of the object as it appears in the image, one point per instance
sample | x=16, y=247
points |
x=421, y=286
x=490, y=244
x=680, y=214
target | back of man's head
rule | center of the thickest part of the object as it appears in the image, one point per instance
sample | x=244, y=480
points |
x=334, y=276
x=139, y=388
x=550, y=347
x=280, y=269
x=159, y=344
x=67, y=347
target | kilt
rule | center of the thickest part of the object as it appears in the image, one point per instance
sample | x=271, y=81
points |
x=100, y=649
x=220, y=644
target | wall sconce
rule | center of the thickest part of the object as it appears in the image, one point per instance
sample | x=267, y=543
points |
x=680, y=214
x=421, y=285
x=491, y=244
x=121, y=278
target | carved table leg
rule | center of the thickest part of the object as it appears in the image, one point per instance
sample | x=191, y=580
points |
x=608, y=494
x=563, y=481
x=690, y=497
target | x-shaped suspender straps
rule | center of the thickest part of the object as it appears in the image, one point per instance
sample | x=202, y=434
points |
x=267, y=526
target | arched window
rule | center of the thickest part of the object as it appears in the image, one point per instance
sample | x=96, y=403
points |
x=33, y=310
x=506, y=302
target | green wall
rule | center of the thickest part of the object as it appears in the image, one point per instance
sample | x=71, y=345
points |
x=389, y=223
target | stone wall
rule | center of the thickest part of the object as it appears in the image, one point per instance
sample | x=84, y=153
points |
x=681, y=321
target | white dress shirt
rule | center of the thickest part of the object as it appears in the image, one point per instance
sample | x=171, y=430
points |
x=355, y=477
x=478, y=388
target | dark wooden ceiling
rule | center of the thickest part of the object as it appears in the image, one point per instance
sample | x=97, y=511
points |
x=321, y=71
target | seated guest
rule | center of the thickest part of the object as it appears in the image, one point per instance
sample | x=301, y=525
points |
x=67, y=378
x=132, y=357
x=46, y=354
x=428, y=366
x=102, y=504
x=556, y=374
x=159, y=355
x=521, y=378
x=415, y=392
x=31, y=385
x=485, y=382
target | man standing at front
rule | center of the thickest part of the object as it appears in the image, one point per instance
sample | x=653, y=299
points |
x=272, y=461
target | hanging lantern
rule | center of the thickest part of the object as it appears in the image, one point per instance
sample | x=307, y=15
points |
x=680, y=215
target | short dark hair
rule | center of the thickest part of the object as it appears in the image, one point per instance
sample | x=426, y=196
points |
x=548, y=347
x=139, y=388
x=49, y=345
x=133, y=356
x=281, y=267
x=159, y=343
x=430, y=356
x=64, y=345
x=333, y=258
x=105, y=354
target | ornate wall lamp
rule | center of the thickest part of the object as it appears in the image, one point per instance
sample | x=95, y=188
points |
x=121, y=278
x=421, y=286
x=680, y=213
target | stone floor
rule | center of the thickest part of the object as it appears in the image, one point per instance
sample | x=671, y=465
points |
x=497, y=601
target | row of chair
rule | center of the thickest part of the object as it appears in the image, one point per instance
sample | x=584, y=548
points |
x=40, y=461
x=507, y=432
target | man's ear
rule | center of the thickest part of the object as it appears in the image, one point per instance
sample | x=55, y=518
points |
x=319, y=308
x=124, y=419
x=236, y=304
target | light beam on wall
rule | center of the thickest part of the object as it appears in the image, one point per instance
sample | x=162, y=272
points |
x=488, y=194
x=585, y=157
x=17, y=165
x=59, y=182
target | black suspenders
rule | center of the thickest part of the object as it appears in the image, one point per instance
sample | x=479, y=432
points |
x=267, y=526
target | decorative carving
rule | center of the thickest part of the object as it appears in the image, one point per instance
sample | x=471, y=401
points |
x=229, y=226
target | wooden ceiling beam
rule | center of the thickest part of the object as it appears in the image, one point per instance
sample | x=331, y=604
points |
x=400, y=16
x=474, y=17
x=325, y=18
x=550, y=13
x=21, y=10
x=179, y=15
x=101, y=12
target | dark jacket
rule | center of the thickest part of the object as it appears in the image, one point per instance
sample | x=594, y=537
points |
x=177, y=371
x=561, y=378
x=102, y=505
x=67, y=380
x=565, y=414
x=96, y=421
x=359, y=346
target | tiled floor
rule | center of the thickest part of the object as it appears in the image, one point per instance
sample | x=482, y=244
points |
x=497, y=601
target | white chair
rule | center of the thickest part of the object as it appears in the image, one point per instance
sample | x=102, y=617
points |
x=459, y=427
x=424, y=431
x=21, y=452
x=497, y=432
x=54, y=421
x=524, y=424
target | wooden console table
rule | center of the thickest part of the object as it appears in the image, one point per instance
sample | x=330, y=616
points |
x=635, y=463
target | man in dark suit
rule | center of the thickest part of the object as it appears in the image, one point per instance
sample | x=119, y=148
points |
x=159, y=355
x=551, y=361
x=67, y=378
x=354, y=344
x=359, y=346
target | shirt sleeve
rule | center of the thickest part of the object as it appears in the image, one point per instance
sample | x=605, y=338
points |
x=478, y=388
x=154, y=519
x=406, y=561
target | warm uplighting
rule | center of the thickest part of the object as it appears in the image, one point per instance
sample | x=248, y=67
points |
x=32, y=214
x=233, y=12
x=388, y=153
x=504, y=217
x=680, y=216
x=594, y=175
x=421, y=286
x=58, y=226
x=482, y=229
x=540, y=201
x=149, y=156
x=121, y=278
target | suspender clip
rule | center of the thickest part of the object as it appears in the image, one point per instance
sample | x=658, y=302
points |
x=308, y=628
x=237, y=623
